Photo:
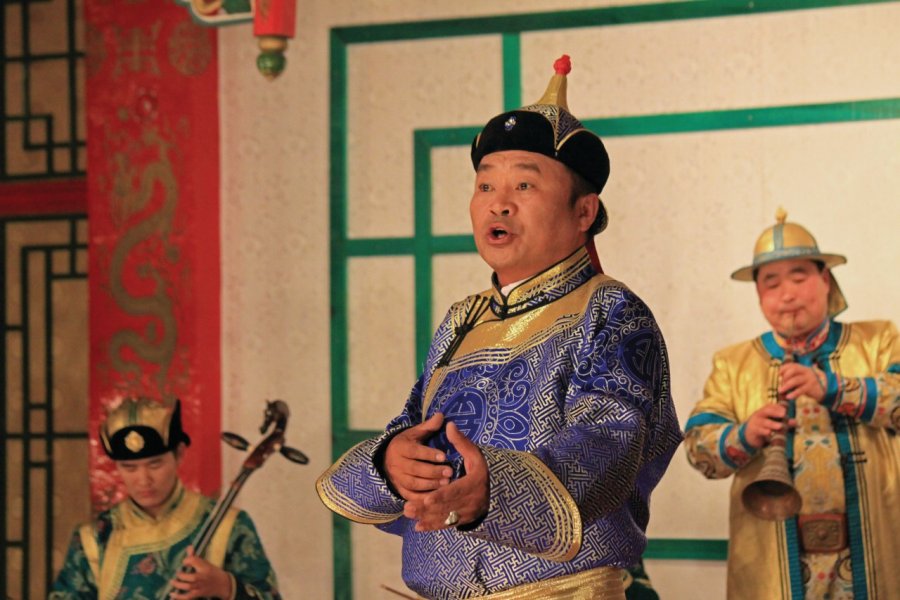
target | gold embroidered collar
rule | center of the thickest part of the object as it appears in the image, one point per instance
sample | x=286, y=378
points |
x=545, y=287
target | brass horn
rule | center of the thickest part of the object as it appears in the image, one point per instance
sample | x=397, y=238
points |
x=772, y=495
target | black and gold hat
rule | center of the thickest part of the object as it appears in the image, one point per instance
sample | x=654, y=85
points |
x=142, y=428
x=547, y=127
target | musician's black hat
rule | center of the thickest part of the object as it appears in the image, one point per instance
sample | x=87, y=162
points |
x=141, y=428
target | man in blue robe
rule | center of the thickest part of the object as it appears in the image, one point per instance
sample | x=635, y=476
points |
x=523, y=461
x=136, y=549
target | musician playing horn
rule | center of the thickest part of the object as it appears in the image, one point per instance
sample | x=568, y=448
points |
x=137, y=548
x=843, y=384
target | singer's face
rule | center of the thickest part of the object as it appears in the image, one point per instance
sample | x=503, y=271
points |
x=523, y=215
x=793, y=295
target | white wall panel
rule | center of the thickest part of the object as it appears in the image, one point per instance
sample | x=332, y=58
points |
x=394, y=89
x=381, y=345
x=794, y=57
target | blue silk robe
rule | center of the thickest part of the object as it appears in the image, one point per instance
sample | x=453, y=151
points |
x=127, y=554
x=564, y=386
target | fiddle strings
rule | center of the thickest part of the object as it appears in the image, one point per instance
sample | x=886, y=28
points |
x=208, y=528
x=204, y=536
x=276, y=411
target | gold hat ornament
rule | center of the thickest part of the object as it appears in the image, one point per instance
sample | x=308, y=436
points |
x=141, y=428
x=784, y=241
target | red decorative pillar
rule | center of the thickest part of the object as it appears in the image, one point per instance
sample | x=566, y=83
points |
x=153, y=207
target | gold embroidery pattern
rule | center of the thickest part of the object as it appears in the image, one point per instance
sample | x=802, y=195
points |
x=132, y=191
x=134, y=532
x=549, y=285
x=189, y=48
x=602, y=583
x=351, y=465
x=554, y=514
x=817, y=463
x=498, y=354
x=137, y=50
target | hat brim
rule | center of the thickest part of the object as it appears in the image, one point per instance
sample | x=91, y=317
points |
x=830, y=260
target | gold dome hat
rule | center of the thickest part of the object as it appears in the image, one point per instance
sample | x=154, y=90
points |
x=785, y=241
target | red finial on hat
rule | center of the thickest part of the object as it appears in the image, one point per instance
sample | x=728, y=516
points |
x=556, y=89
x=563, y=65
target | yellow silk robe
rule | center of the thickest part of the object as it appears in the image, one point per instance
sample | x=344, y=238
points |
x=862, y=366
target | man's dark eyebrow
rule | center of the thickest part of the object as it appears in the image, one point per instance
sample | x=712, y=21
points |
x=528, y=166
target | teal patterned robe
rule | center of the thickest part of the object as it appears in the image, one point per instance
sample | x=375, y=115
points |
x=564, y=386
x=127, y=554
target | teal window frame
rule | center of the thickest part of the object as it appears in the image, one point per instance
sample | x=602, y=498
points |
x=423, y=245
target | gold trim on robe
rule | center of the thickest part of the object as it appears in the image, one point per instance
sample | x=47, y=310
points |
x=865, y=358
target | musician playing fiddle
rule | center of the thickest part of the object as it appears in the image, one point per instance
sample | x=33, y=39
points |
x=842, y=381
x=139, y=548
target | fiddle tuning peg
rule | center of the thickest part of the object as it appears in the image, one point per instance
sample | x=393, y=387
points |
x=294, y=455
x=235, y=441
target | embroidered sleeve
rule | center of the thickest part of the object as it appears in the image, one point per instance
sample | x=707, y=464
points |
x=75, y=581
x=529, y=507
x=355, y=486
x=874, y=399
x=620, y=434
x=247, y=563
x=714, y=440
x=355, y=489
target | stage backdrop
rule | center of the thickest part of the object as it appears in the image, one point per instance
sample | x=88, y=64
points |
x=345, y=185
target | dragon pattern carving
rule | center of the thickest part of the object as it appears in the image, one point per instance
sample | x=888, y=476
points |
x=142, y=251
